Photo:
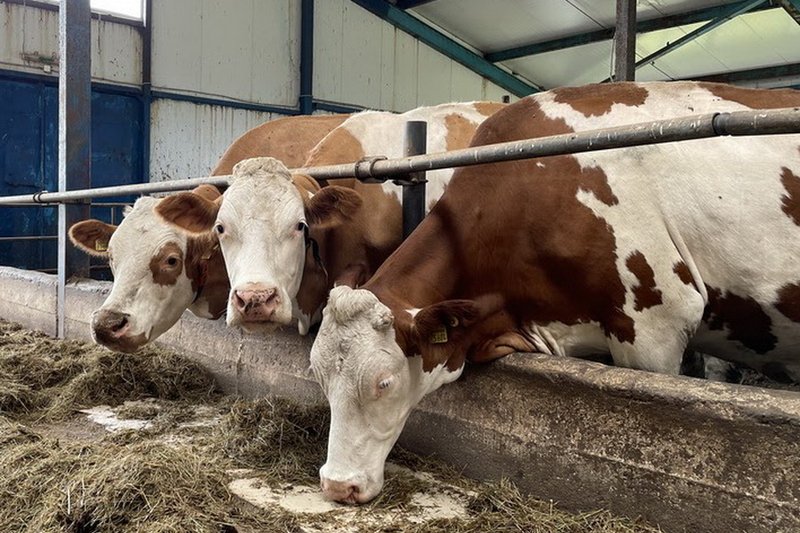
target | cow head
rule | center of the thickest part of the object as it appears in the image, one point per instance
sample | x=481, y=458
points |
x=156, y=271
x=263, y=225
x=374, y=367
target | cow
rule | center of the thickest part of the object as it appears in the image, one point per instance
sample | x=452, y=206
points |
x=160, y=272
x=637, y=252
x=268, y=218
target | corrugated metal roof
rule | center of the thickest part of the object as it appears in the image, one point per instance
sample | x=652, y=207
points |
x=765, y=37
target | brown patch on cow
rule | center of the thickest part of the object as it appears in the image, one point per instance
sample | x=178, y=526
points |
x=288, y=139
x=339, y=146
x=205, y=267
x=595, y=181
x=92, y=236
x=209, y=192
x=487, y=109
x=744, y=318
x=684, y=274
x=167, y=264
x=593, y=102
x=459, y=131
x=561, y=268
x=789, y=301
x=754, y=98
x=646, y=295
x=791, y=200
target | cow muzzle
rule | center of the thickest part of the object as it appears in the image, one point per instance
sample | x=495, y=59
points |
x=344, y=491
x=112, y=330
x=255, y=303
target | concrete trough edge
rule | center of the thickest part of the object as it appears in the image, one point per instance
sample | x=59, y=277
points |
x=684, y=454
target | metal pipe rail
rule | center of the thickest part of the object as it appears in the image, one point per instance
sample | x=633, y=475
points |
x=738, y=123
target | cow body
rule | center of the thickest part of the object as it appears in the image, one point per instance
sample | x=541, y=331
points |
x=160, y=272
x=353, y=226
x=637, y=252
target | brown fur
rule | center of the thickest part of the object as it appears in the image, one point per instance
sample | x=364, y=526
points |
x=163, y=272
x=189, y=211
x=89, y=235
x=755, y=98
x=332, y=204
x=789, y=301
x=791, y=200
x=593, y=102
x=744, y=318
x=646, y=294
x=287, y=139
x=682, y=271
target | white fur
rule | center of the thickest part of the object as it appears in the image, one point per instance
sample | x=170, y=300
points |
x=354, y=350
x=261, y=242
x=152, y=308
x=385, y=136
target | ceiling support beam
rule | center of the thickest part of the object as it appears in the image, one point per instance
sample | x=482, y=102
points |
x=729, y=14
x=447, y=46
x=792, y=7
x=410, y=4
x=756, y=74
x=625, y=41
x=644, y=26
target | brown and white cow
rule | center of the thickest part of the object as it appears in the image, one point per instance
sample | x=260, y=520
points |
x=637, y=252
x=265, y=215
x=159, y=272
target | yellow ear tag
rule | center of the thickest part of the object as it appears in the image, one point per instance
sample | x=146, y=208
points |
x=100, y=246
x=438, y=337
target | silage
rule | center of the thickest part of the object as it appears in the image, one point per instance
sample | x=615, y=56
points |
x=168, y=479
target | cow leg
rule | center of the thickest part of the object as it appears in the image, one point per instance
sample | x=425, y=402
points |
x=501, y=346
x=661, y=332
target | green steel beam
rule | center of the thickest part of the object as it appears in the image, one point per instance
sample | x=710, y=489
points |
x=644, y=26
x=447, y=46
x=732, y=12
x=756, y=74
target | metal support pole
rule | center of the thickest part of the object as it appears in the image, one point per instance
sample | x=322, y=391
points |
x=625, y=41
x=74, y=137
x=306, y=57
x=414, y=187
x=147, y=87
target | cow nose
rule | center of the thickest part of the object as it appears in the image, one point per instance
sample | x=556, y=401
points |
x=256, y=304
x=340, y=491
x=111, y=323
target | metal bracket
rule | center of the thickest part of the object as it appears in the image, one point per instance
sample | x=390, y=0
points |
x=363, y=169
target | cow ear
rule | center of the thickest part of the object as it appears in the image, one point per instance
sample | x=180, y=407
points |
x=209, y=192
x=191, y=212
x=445, y=331
x=332, y=204
x=92, y=236
x=441, y=331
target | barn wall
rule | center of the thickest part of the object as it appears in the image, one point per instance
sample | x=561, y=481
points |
x=359, y=59
x=27, y=32
x=187, y=140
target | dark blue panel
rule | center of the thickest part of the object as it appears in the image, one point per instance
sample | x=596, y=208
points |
x=29, y=160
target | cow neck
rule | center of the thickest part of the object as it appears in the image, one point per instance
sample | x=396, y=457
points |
x=423, y=271
x=200, y=251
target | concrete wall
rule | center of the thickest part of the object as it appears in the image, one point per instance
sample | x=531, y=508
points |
x=685, y=454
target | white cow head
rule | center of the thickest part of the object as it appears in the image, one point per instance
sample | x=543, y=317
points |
x=263, y=229
x=374, y=369
x=155, y=275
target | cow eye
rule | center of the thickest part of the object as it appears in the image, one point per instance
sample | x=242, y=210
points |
x=172, y=261
x=302, y=226
x=220, y=229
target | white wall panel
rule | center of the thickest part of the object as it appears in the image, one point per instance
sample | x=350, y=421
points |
x=187, y=140
x=116, y=48
x=360, y=59
x=239, y=49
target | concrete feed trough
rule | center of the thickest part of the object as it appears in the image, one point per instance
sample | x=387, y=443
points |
x=685, y=454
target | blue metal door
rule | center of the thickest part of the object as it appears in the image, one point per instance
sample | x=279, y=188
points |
x=29, y=161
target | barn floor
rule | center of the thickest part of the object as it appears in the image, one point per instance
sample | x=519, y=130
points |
x=95, y=441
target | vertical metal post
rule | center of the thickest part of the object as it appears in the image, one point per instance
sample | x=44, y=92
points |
x=74, y=137
x=625, y=41
x=147, y=86
x=306, y=57
x=414, y=187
